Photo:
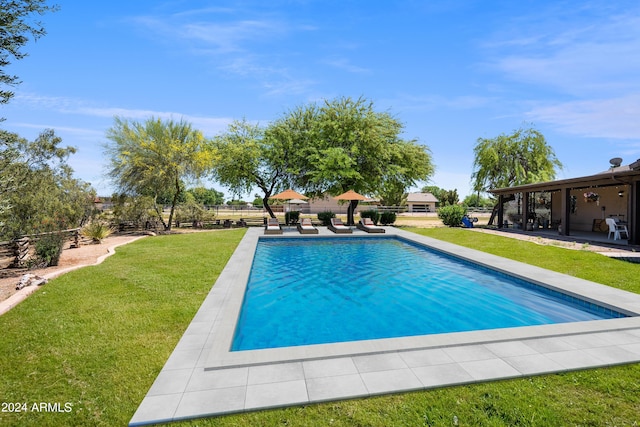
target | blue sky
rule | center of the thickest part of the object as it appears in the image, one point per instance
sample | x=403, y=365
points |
x=452, y=72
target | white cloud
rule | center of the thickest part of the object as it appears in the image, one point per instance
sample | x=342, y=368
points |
x=251, y=47
x=615, y=118
x=71, y=106
x=573, y=56
x=79, y=132
x=346, y=65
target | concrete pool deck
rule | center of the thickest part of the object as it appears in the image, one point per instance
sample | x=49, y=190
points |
x=202, y=378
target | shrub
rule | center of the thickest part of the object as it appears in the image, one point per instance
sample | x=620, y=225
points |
x=373, y=214
x=452, y=215
x=325, y=217
x=96, y=231
x=291, y=217
x=387, y=218
x=48, y=249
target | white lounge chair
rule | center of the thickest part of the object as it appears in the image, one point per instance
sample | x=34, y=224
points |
x=306, y=227
x=273, y=227
x=616, y=229
x=366, y=224
x=338, y=227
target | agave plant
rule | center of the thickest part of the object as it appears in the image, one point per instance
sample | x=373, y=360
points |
x=97, y=231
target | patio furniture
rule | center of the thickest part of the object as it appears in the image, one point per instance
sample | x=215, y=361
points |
x=273, y=227
x=616, y=229
x=338, y=227
x=306, y=227
x=366, y=224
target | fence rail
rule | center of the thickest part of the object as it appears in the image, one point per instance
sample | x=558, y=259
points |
x=18, y=252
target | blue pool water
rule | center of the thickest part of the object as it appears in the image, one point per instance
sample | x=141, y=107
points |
x=327, y=290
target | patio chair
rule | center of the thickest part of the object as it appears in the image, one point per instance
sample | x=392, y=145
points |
x=366, y=224
x=273, y=227
x=338, y=227
x=616, y=229
x=306, y=227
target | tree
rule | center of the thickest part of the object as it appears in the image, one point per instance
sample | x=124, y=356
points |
x=475, y=200
x=155, y=158
x=524, y=157
x=207, y=196
x=344, y=144
x=16, y=25
x=248, y=158
x=37, y=189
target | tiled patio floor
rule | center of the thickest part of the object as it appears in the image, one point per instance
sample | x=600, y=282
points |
x=202, y=378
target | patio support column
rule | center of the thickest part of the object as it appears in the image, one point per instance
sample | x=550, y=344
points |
x=525, y=210
x=500, y=211
x=565, y=210
x=634, y=212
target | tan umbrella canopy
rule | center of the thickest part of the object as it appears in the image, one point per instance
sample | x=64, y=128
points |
x=353, y=199
x=350, y=195
x=288, y=195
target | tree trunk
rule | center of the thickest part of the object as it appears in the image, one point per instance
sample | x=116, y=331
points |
x=353, y=204
x=173, y=206
x=173, y=203
x=265, y=203
x=159, y=212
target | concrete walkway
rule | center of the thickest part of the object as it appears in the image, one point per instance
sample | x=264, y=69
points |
x=203, y=378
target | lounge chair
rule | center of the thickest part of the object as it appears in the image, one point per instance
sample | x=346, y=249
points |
x=338, y=227
x=273, y=227
x=615, y=228
x=366, y=224
x=306, y=227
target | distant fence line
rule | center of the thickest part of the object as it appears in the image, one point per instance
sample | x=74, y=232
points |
x=307, y=209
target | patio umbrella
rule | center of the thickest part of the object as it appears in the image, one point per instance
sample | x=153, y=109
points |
x=290, y=195
x=353, y=199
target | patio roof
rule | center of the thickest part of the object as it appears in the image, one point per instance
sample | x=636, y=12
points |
x=615, y=176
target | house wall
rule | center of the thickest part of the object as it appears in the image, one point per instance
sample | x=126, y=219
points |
x=609, y=204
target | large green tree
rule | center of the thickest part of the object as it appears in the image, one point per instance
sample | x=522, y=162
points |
x=207, y=196
x=154, y=159
x=345, y=144
x=18, y=23
x=38, y=192
x=445, y=197
x=523, y=157
x=247, y=157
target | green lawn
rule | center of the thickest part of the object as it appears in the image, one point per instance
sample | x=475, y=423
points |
x=97, y=337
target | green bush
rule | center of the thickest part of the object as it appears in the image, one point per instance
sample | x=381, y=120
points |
x=48, y=249
x=291, y=217
x=452, y=215
x=325, y=217
x=373, y=214
x=387, y=218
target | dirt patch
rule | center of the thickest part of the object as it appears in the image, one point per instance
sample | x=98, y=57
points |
x=84, y=255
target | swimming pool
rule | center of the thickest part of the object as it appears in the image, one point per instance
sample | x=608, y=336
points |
x=305, y=291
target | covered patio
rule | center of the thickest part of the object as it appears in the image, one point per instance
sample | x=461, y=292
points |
x=576, y=207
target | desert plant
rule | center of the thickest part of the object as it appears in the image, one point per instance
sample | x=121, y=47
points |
x=325, y=217
x=96, y=231
x=373, y=214
x=452, y=215
x=387, y=218
x=48, y=249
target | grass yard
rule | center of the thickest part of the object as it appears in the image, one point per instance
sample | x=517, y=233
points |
x=97, y=337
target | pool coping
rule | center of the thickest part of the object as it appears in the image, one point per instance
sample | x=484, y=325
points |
x=203, y=378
